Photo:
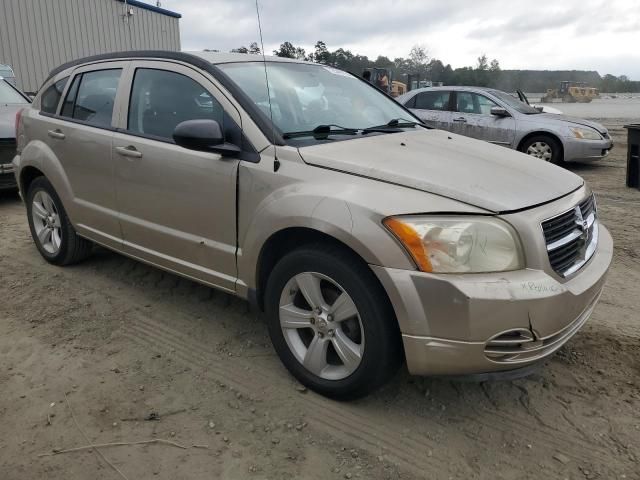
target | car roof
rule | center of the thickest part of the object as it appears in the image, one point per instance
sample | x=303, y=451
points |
x=217, y=58
x=454, y=87
x=197, y=59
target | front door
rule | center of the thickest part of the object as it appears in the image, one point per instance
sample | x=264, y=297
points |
x=473, y=118
x=177, y=206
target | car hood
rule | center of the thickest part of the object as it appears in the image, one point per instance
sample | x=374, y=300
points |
x=566, y=118
x=474, y=172
x=8, y=119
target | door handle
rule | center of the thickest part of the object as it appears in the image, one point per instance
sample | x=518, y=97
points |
x=129, y=151
x=57, y=133
x=460, y=119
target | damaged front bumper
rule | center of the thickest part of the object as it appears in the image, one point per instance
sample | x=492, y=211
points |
x=477, y=323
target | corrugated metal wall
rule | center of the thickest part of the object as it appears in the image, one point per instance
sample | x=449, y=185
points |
x=38, y=35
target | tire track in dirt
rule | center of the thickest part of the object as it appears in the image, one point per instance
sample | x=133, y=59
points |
x=405, y=450
x=389, y=432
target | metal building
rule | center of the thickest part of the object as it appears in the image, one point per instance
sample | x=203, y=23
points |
x=38, y=35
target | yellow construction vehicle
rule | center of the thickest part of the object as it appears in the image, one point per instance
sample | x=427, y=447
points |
x=398, y=88
x=571, y=92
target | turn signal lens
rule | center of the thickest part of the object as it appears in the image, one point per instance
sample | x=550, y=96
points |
x=411, y=240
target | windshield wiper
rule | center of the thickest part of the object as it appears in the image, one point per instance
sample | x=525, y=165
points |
x=393, y=126
x=321, y=132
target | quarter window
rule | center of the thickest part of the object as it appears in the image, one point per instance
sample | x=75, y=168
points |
x=51, y=96
x=160, y=100
x=468, y=102
x=436, y=100
x=91, y=97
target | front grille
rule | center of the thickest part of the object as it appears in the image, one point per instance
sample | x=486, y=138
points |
x=571, y=237
x=7, y=150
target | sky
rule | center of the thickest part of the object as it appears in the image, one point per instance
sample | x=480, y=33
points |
x=602, y=35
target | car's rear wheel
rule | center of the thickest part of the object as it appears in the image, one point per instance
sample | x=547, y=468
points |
x=543, y=147
x=331, y=323
x=52, y=232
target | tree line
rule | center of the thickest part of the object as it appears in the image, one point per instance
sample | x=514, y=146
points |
x=485, y=73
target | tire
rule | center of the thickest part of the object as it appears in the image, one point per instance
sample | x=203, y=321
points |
x=543, y=147
x=372, y=330
x=52, y=232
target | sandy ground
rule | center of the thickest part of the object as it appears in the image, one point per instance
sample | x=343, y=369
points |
x=93, y=353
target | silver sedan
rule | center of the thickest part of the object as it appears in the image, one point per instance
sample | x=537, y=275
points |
x=500, y=118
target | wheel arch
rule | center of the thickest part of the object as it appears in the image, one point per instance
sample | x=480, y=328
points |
x=27, y=175
x=37, y=159
x=287, y=240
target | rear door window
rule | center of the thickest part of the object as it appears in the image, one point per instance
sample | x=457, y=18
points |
x=51, y=96
x=161, y=99
x=436, y=100
x=91, y=97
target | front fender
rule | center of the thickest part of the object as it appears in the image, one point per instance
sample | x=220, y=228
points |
x=363, y=233
x=345, y=207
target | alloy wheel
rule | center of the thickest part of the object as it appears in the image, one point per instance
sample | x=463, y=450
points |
x=46, y=222
x=321, y=326
x=541, y=150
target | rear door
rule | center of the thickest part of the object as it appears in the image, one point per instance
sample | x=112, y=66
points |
x=80, y=136
x=432, y=107
x=177, y=206
x=472, y=118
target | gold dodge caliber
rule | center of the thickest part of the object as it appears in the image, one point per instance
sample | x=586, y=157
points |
x=365, y=238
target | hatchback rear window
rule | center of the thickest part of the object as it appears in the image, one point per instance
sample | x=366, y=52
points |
x=91, y=97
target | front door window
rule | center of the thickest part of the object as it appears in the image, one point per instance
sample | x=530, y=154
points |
x=160, y=100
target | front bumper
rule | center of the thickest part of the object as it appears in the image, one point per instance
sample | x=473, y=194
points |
x=586, y=150
x=447, y=321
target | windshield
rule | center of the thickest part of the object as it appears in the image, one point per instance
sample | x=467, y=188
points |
x=9, y=94
x=304, y=96
x=514, y=103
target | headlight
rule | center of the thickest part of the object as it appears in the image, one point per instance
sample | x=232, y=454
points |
x=585, y=133
x=458, y=244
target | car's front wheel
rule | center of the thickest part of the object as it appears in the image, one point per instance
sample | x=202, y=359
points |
x=331, y=323
x=52, y=232
x=543, y=147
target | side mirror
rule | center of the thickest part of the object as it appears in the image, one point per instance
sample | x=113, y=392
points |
x=499, y=112
x=203, y=135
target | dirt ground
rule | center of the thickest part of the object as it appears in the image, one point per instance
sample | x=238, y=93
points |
x=115, y=351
